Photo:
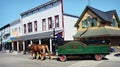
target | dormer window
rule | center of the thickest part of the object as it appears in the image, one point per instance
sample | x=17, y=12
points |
x=89, y=22
x=94, y=22
x=114, y=23
x=84, y=24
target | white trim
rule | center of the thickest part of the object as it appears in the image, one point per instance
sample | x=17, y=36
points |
x=31, y=42
x=17, y=46
x=23, y=45
x=39, y=41
x=51, y=45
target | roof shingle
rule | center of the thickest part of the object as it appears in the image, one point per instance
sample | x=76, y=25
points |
x=105, y=16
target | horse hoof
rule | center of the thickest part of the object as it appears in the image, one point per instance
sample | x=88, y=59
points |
x=32, y=58
x=49, y=58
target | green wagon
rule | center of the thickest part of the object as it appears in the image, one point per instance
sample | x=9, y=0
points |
x=76, y=48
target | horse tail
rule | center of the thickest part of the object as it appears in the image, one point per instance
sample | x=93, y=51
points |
x=47, y=48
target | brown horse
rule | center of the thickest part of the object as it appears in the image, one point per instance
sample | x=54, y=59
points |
x=47, y=50
x=35, y=49
x=38, y=51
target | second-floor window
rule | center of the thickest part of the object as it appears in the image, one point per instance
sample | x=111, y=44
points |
x=30, y=27
x=24, y=28
x=114, y=23
x=84, y=24
x=35, y=25
x=43, y=24
x=5, y=36
x=57, y=21
x=93, y=22
x=19, y=30
x=50, y=24
x=89, y=22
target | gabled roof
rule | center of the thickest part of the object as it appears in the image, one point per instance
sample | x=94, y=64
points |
x=105, y=16
x=70, y=15
x=15, y=22
x=7, y=25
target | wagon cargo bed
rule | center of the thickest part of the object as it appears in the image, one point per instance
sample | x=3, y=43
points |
x=77, y=48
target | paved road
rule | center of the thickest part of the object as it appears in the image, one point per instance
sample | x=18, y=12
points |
x=20, y=60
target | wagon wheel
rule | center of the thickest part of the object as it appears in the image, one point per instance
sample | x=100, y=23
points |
x=63, y=58
x=98, y=57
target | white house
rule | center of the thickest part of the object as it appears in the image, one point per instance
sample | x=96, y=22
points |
x=15, y=28
x=69, y=29
x=15, y=32
x=40, y=25
x=5, y=37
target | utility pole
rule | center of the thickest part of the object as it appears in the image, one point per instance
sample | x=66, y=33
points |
x=54, y=40
x=54, y=34
x=88, y=2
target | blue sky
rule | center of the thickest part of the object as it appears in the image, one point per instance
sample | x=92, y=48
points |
x=10, y=9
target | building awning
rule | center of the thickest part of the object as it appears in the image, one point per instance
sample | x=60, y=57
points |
x=100, y=32
x=79, y=34
x=7, y=41
x=48, y=34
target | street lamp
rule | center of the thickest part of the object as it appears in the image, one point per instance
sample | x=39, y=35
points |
x=54, y=34
x=54, y=41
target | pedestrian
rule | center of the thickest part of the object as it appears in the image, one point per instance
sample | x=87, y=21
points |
x=59, y=39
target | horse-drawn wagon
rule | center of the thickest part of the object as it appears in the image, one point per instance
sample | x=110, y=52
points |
x=77, y=48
